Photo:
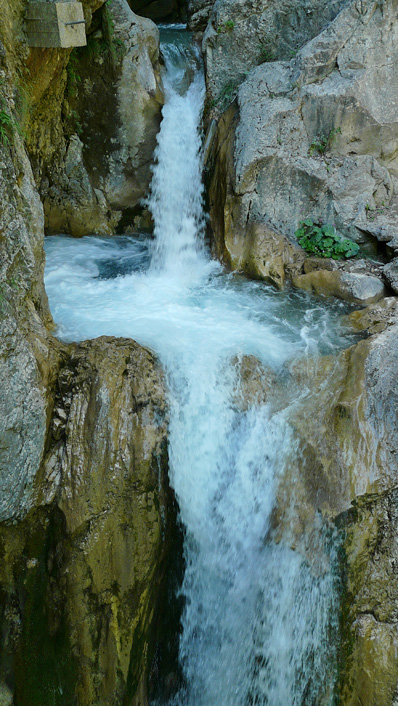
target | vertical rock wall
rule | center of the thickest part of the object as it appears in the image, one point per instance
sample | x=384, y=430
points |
x=87, y=519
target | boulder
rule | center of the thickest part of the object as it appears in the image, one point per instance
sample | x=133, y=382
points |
x=266, y=255
x=356, y=288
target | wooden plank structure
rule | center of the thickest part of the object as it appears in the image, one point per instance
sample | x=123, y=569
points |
x=55, y=24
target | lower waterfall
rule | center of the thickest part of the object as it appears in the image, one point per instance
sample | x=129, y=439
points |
x=259, y=622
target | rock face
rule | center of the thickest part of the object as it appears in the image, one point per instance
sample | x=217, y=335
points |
x=348, y=470
x=92, y=549
x=86, y=515
x=371, y=645
x=239, y=36
x=113, y=99
x=25, y=355
x=119, y=113
x=91, y=116
x=308, y=138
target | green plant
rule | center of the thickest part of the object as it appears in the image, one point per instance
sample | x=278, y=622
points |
x=74, y=77
x=115, y=45
x=226, y=95
x=267, y=53
x=7, y=128
x=321, y=143
x=227, y=26
x=322, y=240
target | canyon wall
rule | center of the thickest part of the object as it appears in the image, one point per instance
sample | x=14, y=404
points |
x=87, y=519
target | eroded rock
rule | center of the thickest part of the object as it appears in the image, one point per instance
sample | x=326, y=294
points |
x=242, y=35
x=101, y=528
x=306, y=138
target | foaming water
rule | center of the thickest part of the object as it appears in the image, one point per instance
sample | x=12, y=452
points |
x=259, y=616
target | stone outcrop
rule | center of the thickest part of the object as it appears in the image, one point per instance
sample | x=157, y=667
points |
x=89, y=116
x=92, y=549
x=239, y=36
x=356, y=288
x=391, y=275
x=112, y=112
x=347, y=469
x=308, y=138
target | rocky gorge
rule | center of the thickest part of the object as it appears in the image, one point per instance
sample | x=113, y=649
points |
x=301, y=120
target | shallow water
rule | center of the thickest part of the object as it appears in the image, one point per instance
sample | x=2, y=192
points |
x=257, y=618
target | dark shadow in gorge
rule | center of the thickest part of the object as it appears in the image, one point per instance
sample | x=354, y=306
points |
x=165, y=674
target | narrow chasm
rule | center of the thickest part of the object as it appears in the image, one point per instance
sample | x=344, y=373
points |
x=255, y=619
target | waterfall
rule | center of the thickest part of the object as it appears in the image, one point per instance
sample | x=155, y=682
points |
x=258, y=623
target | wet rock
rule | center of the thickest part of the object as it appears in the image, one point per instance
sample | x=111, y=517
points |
x=139, y=99
x=93, y=549
x=265, y=254
x=26, y=355
x=73, y=205
x=254, y=383
x=376, y=317
x=352, y=287
x=347, y=455
x=370, y=638
x=92, y=126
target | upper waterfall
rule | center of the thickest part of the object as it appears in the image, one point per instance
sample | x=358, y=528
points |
x=176, y=192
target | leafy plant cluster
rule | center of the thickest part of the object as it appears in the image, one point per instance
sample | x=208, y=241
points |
x=227, y=26
x=323, y=142
x=322, y=240
x=8, y=124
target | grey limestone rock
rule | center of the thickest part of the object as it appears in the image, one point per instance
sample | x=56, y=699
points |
x=391, y=273
x=242, y=34
x=311, y=139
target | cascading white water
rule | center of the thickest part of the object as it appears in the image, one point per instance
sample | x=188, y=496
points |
x=258, y=617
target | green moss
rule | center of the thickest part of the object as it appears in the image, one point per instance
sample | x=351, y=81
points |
x=45, y=668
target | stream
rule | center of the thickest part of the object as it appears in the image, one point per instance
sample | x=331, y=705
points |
x=259, y=624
